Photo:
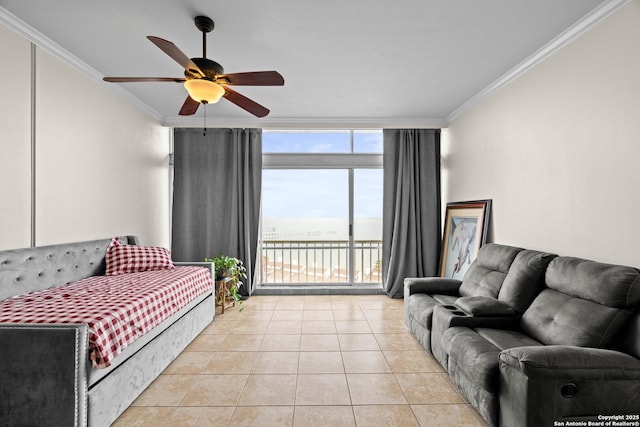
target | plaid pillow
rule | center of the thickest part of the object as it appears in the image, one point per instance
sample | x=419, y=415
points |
x=123, y=258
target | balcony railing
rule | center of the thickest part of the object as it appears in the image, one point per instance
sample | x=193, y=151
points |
x=320, y=262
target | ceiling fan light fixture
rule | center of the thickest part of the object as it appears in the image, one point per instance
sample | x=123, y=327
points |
x=205, y=79
x=204, y=90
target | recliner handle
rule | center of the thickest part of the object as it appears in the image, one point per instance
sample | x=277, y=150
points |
x=569, y=390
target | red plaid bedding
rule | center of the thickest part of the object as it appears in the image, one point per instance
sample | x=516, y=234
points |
x=117, y=309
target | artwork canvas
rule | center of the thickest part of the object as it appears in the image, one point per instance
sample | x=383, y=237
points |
x=465, y=231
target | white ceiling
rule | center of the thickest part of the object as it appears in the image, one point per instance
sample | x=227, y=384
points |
x=410, y=62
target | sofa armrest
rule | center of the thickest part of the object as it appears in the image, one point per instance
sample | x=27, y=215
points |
x=431, y=285
x=482, y=306
x=451, y=315
x=544, y=384
x=559, y=361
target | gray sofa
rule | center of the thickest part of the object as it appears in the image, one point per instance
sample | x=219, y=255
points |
x=46, y=377
x=559, y=340
x=484, y=279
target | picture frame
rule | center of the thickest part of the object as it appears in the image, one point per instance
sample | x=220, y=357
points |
x=466, y=226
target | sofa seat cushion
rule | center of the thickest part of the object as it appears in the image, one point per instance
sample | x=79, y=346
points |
x=475, y=356
x=420, y=307
x=476, y=351
x=505, y=339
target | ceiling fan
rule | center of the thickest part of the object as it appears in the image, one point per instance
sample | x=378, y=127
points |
x=205, y=79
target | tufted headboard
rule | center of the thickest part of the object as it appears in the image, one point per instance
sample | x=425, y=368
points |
x=33, y=269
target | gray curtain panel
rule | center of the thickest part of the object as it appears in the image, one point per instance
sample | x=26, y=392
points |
x=216, y=195
x=411, y=206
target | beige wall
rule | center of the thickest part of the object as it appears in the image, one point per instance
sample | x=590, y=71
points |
x=558, y=150
x=15, y=111
x=101, y=164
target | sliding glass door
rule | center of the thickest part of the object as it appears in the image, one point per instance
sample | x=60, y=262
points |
x=305, y=223
x=321, y=211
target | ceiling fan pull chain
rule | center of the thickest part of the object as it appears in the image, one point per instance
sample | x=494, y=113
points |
x=204, y=131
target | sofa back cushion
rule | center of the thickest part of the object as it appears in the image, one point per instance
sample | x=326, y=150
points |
x=555, y=318
x=525, y=279
x=607, y=284
x=487, y=272
x=585, y=303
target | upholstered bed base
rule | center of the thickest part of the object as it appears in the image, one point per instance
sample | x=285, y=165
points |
x=59, y=353
x=110, y=396
x=46, y=378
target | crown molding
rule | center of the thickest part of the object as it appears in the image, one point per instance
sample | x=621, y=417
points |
x=587, y=22
x=45, y=43
x=305, y=123
x=583, y=25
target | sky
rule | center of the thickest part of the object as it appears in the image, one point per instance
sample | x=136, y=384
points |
x=320, y=193
x=321, y=142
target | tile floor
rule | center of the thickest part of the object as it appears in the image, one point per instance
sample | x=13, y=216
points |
x=304, y=361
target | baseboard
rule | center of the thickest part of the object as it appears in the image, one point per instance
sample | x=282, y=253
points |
x=320, y=290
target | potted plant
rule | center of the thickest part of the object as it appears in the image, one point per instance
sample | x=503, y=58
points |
x=231, y=268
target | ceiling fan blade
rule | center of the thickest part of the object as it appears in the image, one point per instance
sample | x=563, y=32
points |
x=245, y=103
x=254, y=78
x=174, y=52
x=189, y=107
x=143, y=79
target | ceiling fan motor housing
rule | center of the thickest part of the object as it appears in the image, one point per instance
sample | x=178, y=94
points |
x=210, y=68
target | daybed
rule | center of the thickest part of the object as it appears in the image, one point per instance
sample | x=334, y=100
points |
x=544, y=349
x=61, y=374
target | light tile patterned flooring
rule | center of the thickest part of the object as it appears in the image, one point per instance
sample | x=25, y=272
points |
x=330, y=360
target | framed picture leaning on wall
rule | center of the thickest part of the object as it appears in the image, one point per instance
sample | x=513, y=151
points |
x=465, y=231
